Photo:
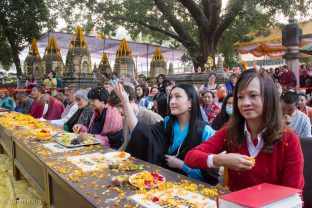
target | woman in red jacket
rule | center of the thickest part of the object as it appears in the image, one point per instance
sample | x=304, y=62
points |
x=259, y=148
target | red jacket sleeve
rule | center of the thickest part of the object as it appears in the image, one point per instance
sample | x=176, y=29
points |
x=197, y=157
x=293, y=162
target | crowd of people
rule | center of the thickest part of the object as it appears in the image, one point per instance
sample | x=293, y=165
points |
x=193, y=132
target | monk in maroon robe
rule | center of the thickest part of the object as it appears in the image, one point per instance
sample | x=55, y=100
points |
x=52, y=108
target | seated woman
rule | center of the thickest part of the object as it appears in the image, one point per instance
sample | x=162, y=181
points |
x=84, y=112
x=161, y=83
x=30, y=82
x=160, y=104
x=105, y=123
x=209, y=107
x=167, y=142
x=6, y=101
x=225, y=114
x=256, y=132
x=141, y=91
x=148, y=102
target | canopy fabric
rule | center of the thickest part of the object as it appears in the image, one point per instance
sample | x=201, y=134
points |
x=96, y=46
x=307, y=49
x=272, y=45
x=142, y=53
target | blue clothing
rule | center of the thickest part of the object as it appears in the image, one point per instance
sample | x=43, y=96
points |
x=114, y=80
x=7, y=103
x=204, y=115
x=229, y=87
x=178, y=138
x=18, y=109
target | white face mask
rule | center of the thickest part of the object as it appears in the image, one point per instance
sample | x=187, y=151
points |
x=45, y=109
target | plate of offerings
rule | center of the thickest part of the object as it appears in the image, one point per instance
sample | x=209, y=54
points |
x=43, y=135
x=71, y=140
x=117, y=156
x=120, y=180
x=146, y=180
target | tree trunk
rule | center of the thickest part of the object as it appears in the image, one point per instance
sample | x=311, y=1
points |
x=17, y=63
x=207, y=48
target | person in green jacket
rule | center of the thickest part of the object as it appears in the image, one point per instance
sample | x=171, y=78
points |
x=5, y=101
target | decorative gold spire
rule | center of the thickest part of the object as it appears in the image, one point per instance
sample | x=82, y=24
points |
x=158, y=65
x=78, y=59
x=34, y=47
x=32, y=64
x=124, y=64
x=123, y=49
x=158, y=55
x=52, y=47
x=104, y=65
x=52, y=59
x=78, y=39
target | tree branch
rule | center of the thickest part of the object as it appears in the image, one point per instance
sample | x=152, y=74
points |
x=206, y=8
x=196, y=12
x=178, y=27
x=233, y=10
x=157, y=29
x=214, y=14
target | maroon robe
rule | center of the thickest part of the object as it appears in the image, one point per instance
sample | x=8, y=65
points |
x=36, y=110
x=55, y=110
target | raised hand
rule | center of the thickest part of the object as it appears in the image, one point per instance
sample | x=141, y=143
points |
x=121, y=93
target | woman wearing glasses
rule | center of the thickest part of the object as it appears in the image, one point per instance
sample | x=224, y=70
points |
x=167, y=142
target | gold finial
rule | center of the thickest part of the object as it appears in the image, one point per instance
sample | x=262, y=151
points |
x=158, y=55
x=52, y=45
x=123, y=49
x=34, y=47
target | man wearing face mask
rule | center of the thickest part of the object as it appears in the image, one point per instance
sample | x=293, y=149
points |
x=52, y=108
x=225, y=114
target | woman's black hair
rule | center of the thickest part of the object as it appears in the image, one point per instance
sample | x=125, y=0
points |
x=164, y=79
x=33, y=78
x=222, y=118
x=190, y=140
x=53, y=73
x=162, y=104
x=208, y=91
x=105, y=74
x=115, y=74
x=144, y=89
x=99, y=93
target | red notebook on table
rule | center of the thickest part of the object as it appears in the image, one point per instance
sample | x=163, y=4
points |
x=264, y=195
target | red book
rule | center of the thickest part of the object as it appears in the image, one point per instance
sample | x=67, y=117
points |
x=263, y=195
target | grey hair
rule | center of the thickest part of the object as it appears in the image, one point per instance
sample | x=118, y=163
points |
x=82, y=94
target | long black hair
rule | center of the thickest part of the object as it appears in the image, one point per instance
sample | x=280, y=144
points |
x=145, y=92
x=222, y=118
x=162, y=104
x=33, y=78
x=191, y=140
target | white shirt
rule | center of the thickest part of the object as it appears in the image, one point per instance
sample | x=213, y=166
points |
x=252, y=149
x=71, y=112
